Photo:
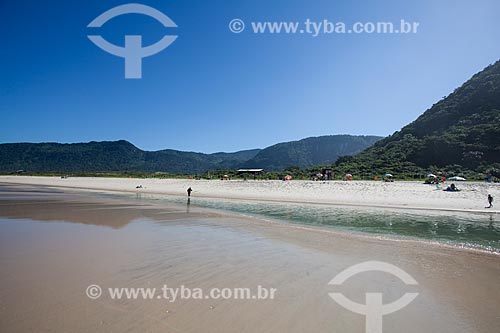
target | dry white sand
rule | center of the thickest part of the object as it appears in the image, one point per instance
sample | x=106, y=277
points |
x=417, y=195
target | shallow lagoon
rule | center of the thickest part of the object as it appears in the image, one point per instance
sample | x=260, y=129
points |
x=474, y=230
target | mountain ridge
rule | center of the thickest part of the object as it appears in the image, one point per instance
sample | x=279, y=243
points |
x=310, y=151
x=122, y=155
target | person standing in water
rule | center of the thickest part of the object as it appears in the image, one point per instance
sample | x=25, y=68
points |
x=189, y=190
x=490, y=201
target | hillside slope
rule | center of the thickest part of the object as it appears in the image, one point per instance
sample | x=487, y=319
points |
x=310, y=151
x=459, y=133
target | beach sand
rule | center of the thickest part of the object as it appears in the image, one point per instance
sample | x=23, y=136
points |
x=415, y=195
x=55, y=242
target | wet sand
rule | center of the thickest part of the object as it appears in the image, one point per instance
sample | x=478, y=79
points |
x=55, y=243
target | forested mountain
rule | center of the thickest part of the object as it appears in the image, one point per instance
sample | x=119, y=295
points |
x=124, y=156
x=111, y=156
x=310, y=151
x=460, y=133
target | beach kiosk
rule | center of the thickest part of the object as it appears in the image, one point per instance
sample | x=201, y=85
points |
x=254, y=172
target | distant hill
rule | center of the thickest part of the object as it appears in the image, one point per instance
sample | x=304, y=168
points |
x=111, y=156
x=460, y=133
x=310, y=151
x=124, y=156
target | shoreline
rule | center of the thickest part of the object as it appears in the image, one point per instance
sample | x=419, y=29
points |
x=176, y=187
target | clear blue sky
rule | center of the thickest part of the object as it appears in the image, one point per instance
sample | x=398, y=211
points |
x=213, y=90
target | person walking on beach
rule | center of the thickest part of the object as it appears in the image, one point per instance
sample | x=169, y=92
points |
x=189, y=190
x=490, y=201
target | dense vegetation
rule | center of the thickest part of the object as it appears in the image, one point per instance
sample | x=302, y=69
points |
x=111, y=156
x=122, y=157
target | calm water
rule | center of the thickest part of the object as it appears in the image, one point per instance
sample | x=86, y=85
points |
x=463, y=229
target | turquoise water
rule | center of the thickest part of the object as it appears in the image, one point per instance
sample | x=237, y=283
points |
x=463, y=229
x=473, y=230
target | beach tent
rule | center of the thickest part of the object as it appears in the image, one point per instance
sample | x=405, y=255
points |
x=457, y=178
x=288, y=177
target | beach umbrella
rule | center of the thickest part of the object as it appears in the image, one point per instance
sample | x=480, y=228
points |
x=388, y=175
x=288, y=177
x=431, y=175
x=457, y=178
x=348, y=175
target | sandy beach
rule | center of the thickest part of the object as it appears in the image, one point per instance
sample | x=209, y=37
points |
x=55, y=242
x=415, y=195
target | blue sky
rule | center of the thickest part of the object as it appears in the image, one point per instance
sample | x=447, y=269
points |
x=213, y=90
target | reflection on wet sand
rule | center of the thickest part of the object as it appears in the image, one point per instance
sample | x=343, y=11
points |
x=25, y=204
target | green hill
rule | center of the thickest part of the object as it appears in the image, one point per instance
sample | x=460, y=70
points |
x=459, y=134
x=310, y=151
x=111, y=156
x=124, y=156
